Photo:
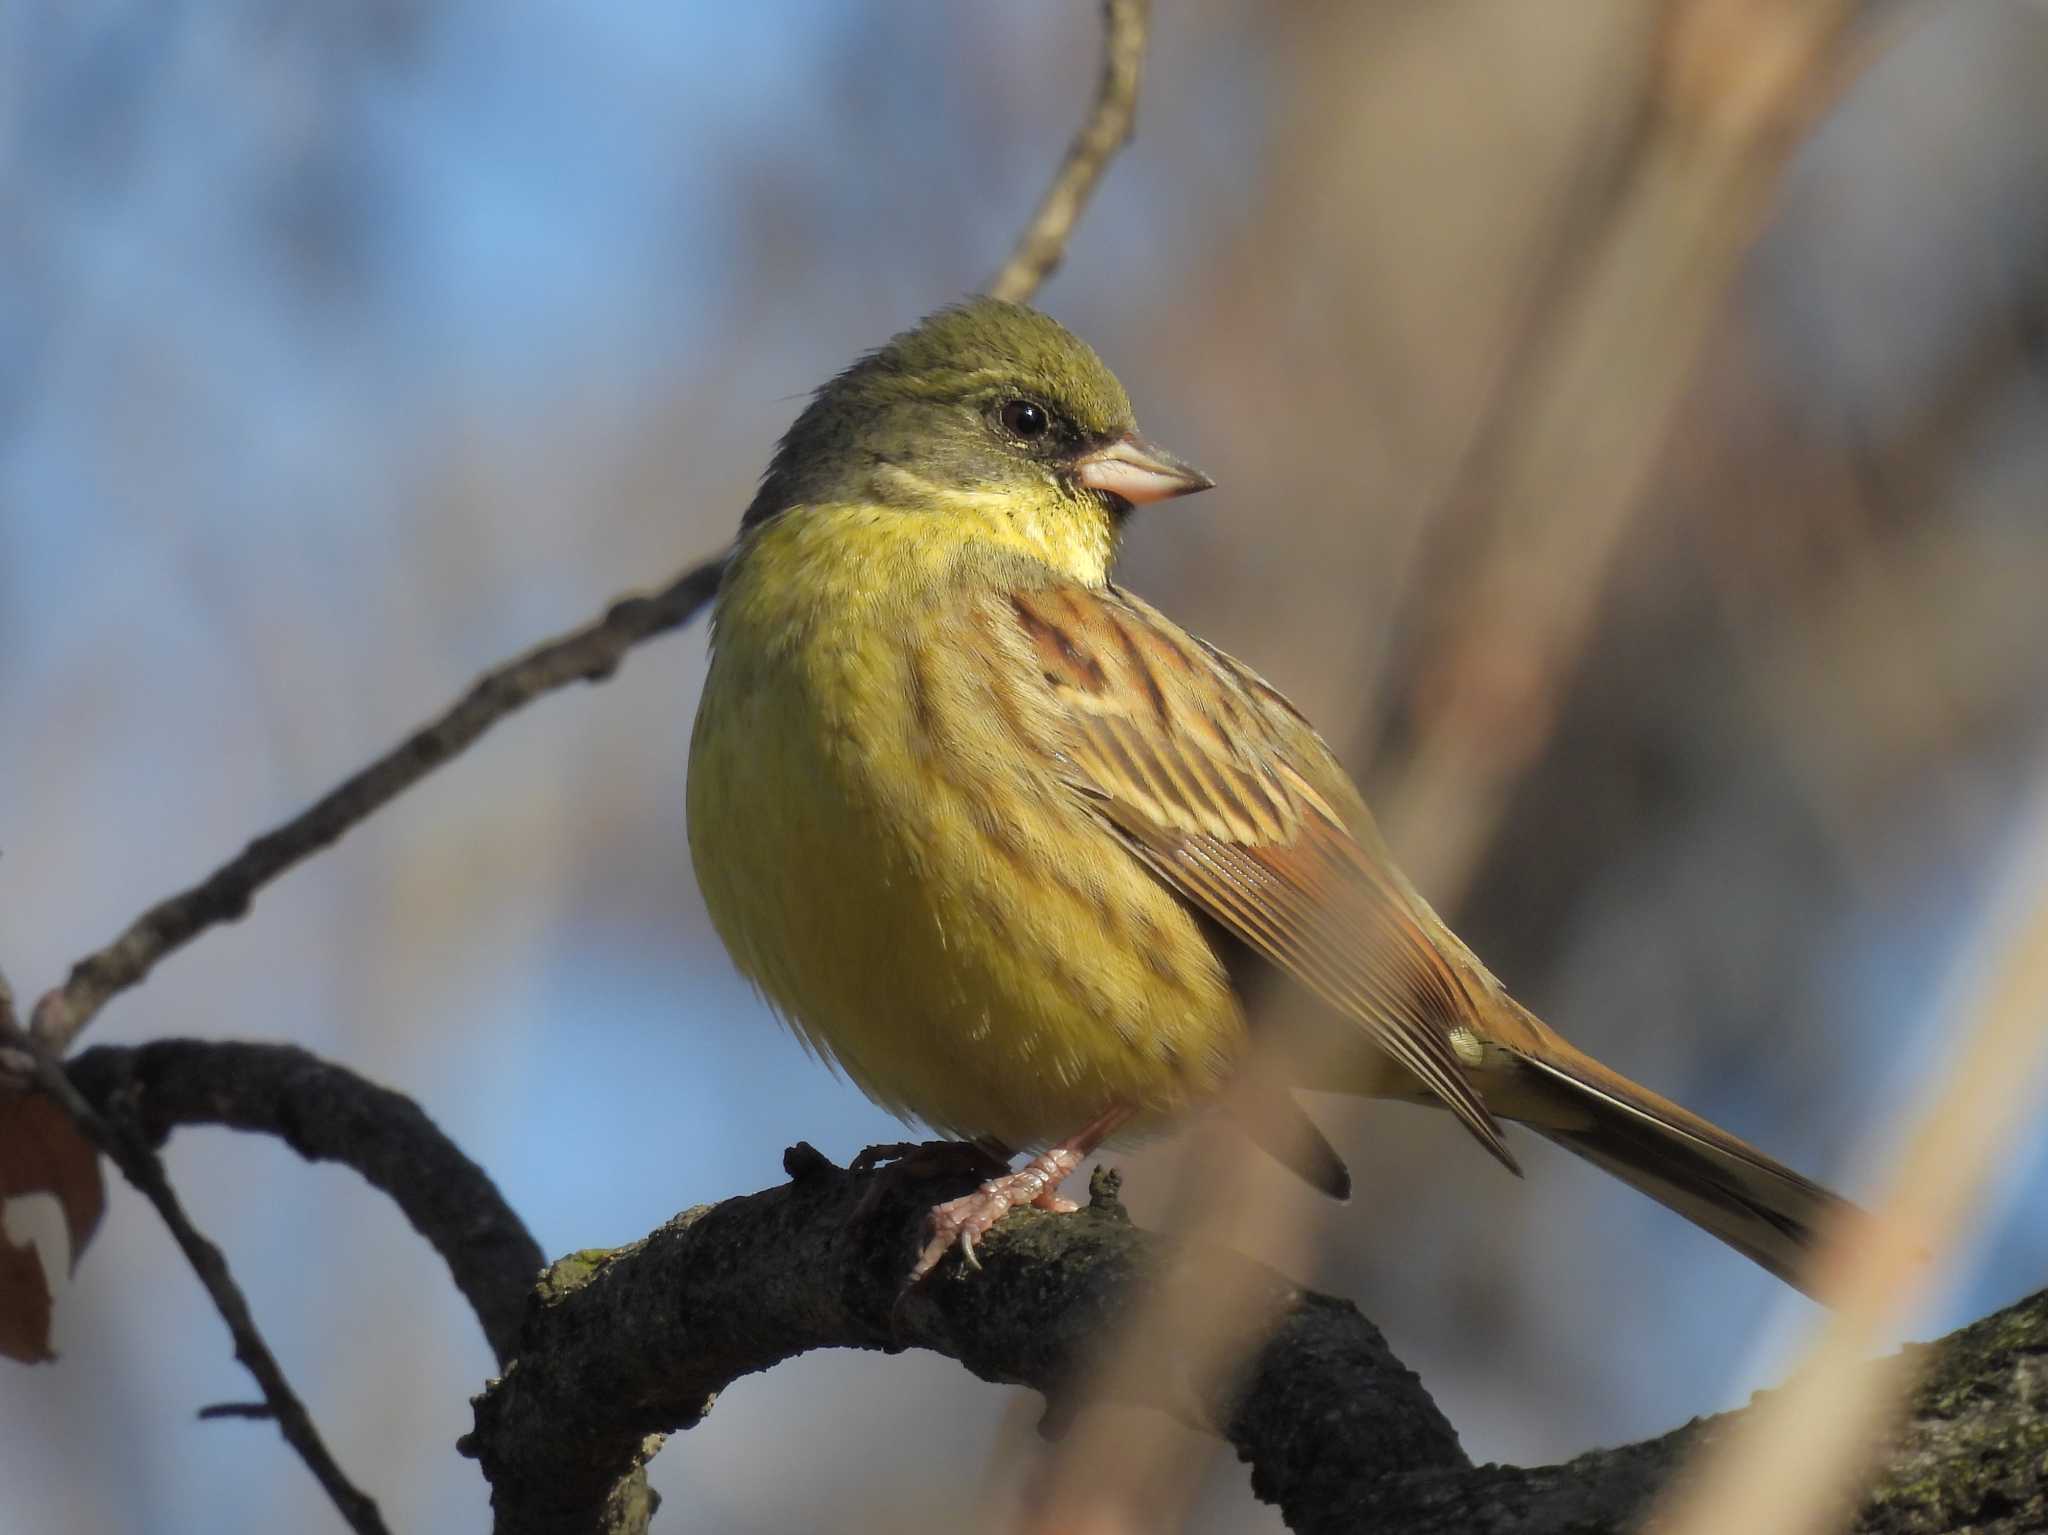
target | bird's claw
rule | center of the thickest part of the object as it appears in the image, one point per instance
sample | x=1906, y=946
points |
x=966, y=1220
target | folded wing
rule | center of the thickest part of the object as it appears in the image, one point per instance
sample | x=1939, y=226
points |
x=1211, y=777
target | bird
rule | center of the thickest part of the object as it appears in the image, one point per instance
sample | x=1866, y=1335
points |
x=1003, y=842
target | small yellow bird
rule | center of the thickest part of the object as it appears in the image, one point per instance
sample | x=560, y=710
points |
x=991, y=832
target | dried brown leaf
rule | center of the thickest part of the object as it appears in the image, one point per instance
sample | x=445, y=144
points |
x=41, y=1152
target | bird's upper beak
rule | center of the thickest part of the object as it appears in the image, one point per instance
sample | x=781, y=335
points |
x=1134, y=470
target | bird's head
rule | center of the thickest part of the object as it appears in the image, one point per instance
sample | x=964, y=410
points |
x=987, y=409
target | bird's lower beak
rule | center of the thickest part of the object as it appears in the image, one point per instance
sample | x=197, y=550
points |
x=1133, y=469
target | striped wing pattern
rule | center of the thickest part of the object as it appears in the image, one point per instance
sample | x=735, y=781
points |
x=1208, y=774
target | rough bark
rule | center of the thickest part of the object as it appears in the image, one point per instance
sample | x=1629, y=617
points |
x=621, y=1347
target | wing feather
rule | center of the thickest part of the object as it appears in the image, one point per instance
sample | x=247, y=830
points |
x=1210, y=777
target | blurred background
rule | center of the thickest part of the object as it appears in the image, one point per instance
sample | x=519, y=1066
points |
x=345, y=350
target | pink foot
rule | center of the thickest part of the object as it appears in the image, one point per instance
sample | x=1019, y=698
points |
x=967, y=1219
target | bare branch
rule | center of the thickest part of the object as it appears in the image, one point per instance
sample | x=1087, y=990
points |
x=327, y=1113
x=140, y=1166
x=589, y=654
x=1042, y=246
x=622, y=1347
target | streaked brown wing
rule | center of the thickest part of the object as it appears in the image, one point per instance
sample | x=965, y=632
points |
x=1209, y=775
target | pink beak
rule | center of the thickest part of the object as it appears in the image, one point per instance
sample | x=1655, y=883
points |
x=1133, y=470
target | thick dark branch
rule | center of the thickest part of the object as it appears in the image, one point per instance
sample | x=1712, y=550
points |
x=589, y=654
x=1971, y=1455
x=622, y=1347
x=1108, y=128
x=329, y=1114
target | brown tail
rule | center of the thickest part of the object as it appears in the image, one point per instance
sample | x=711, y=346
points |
x=1759, y=1207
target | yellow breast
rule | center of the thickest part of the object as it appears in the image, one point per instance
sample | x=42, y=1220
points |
x=889, y=853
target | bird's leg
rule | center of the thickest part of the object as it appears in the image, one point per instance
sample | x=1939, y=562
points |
x=1036, y=1184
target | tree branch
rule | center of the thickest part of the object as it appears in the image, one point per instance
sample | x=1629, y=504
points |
x=141, y=1167
x=328, y=1114
x=1971, y=1455
x=589, y=654
x=621, y=1347
x=1108, y=128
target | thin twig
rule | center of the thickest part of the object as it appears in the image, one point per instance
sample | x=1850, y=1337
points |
x=1108, y=128
x=140, y=1166
x=589, y=654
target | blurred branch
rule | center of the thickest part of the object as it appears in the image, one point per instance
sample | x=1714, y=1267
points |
x=1783, y=1471
x=1110, y=122
x=1618, y=319
x=1910, y=615
x=621, y=1347
x=118, y=1141
x=328, y=1114
x=1904, y=468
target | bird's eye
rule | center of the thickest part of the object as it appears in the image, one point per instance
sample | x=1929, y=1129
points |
x=1022, y=418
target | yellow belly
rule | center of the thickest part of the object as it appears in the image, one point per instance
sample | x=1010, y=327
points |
x=928, y=904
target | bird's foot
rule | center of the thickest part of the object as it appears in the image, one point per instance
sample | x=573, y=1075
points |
x=966, y=1220
x=895, y=1168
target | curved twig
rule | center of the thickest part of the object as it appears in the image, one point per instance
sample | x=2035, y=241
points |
x=1108, y=128
x=327, y=1113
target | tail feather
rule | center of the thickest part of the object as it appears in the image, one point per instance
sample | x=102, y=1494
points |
x=1759, y=1207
